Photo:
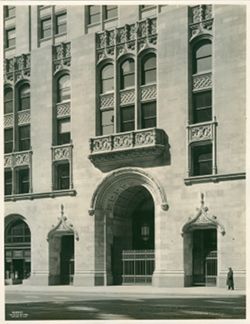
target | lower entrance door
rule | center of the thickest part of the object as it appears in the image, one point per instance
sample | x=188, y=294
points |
x=67, y=260
x=204, y=262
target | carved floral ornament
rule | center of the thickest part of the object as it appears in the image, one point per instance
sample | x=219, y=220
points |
x=202, y=21
x=17, y=68
x=62, y=226
x=117, y=181
x=202, y=219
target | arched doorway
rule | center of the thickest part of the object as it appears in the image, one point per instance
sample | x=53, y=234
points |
x=127, y=205
x=17, y=250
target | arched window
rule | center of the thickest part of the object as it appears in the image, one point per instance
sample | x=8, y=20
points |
x=202, y=57
x=107, y=78
x=8, y=100
x=127, y=74
x=148, y=69
x=63, y=88
x=17, y=232
x=24, y=97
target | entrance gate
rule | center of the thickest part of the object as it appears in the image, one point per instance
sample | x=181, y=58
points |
x=211, y=268
x=138, y=266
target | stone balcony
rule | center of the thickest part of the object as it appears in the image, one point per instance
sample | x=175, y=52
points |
x=144, y=147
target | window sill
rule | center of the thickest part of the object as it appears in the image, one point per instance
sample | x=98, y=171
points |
x=60, y=35
x=45, y=39
x=110, y=19
x=93, y=24
x=9, y=18
x=31, y=196
x=10, y=48
x=214, y=178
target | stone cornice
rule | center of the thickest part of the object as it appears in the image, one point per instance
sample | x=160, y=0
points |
x=215, y=178
x=31, y=196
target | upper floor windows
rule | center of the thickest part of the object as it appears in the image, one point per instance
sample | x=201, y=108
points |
x=8, y=140
x=8, y=100
x=9, y=11
x=148, y=69
x=10, y=37
x=94, y=14
x=63, y=88
x=46, y=28
x=110, y=12
x=202, y=57
x=24, y=97
x=127, y=73
x=61, y=23
x=107, y=78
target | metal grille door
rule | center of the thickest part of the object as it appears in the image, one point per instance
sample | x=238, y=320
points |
x=138, y=266
x=211, y=268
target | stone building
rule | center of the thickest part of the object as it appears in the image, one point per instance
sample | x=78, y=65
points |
x=124, y=138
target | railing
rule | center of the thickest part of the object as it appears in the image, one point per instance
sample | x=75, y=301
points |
x=138, y=266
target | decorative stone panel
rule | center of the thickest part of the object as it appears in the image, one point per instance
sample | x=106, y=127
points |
x=201, y=20
x=23, y=117
x=128, y=38
x=17, y=68
x=148, y=92
x=22, y=158
x=61, y=56
x=201, y=132
x=8, y=160
x=8, y=120
x=202, y=81
x=62, y=152
x=107, y=100
x=127, y=97
x=63, y=109
x=129, y=148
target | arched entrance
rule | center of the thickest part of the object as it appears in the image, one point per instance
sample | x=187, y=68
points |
x=125, y=206
x=200, y=236
x=17, y=250
x=61, y=252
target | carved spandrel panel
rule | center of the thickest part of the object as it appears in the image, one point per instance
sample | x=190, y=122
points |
x=107, y=100
x=148, y=92
x=8, y=161
x=20, y=159
x=62, y=153
x=23, y=117
x=127, y=97
x=202, y=81
x=63, y=109
x=144, y=138
x=8, y=120
x=123, y=141
x=201, y=133
x=101, y=144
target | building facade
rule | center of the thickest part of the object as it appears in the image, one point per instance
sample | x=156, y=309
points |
x=124, y=139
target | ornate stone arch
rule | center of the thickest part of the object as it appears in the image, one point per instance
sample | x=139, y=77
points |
x=202, y=220
x=13, y=217
x=117, y=181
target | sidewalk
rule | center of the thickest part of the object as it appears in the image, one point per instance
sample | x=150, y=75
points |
x=133, y=290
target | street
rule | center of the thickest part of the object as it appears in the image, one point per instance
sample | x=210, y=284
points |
x=56, y=305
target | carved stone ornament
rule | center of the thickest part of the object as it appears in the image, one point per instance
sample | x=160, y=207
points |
x=203, y=81
x=62, y=56
x=201, y=132
x=202, y=219
x=20, y=159
x=62, y=153
x=62, y=226
x=17, y=68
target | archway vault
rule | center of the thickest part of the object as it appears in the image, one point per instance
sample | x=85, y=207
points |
x=109, y=189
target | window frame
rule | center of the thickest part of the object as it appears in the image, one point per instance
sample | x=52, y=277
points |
x=195, y=163
x=58, y=180
x=107, y=10
x=60, y=89
x=102, y=79
x=10, y=39
x=24, y=141
x=43, y=30
x=10, y=142
x=197, y=46
x=9, y=100
x=22, y=182
x=7, y=11
x=89, y=15
x=8, y=184
x=127, y=74
x=25, y=232
x=63, y=137
x=152, y=117
x=127, y=121
x=59, y=25
x=21, y=97
x=144, y=59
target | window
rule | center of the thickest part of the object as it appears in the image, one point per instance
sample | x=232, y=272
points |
x=110, y=12
x=18, y=231
x=107, y=78
x=201, y=159
x=8, y=140
x=24, y=97
x=63, y=88
x=46, y=28
x=61, y=24
x=63, y=131
x=148, y=111
x=24, y=137
x=127, y=118
x=62, y=176
x=9, y=11
x=202, y=57
x=94, y=14
x=10, y=38
x=145, y=7
x=127, y=74
x=107, y=120
x=22, y=180
x=8, y=101
x=202, y=106
x=7, y=182
x=148, y=73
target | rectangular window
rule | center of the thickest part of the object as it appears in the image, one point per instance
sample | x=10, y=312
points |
x=201, y=159
x=107, y=118
x=148, y=111
x=24, y=137
x=94, y=14
x=127, y=118
x=110, y=12
x=8, y=140
x=23, y=180
x=202, y=106
x=8, y=182
x=46, y=28
x=10, y=11
x=63, y=131
x=61, y=24
x=62, y=176
x=10, y=38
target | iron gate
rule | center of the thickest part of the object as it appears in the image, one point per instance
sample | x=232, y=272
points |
x=211, y=268
x=137, y=266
